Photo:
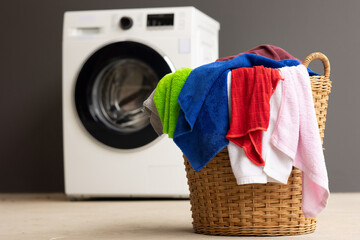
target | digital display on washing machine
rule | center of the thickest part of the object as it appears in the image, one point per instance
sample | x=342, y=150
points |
x=156, y=20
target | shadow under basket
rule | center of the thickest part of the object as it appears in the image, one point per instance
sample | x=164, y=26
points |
x=221, y=207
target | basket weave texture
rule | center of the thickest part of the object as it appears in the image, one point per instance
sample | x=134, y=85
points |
x=221, y=207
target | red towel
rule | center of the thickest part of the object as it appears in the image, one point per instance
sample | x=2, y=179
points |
x=251, y=90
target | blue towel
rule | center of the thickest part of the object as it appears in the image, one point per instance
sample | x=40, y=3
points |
x=204, y=118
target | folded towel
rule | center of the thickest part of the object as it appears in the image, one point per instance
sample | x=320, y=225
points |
x=251, y=90
x=203, y=118
x=165, y=98
x=150, y=108
x=297, y=135
x=278, y=166
x=265, y=50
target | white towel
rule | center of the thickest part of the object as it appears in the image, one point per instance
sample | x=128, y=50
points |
x=150, y=108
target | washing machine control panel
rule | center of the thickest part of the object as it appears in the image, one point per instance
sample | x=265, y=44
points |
x=154, y=20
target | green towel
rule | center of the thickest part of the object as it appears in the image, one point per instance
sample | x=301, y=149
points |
x=165, y=98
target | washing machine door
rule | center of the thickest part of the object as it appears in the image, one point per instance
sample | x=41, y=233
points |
x=111, y=88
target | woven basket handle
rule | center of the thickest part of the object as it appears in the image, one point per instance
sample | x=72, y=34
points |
x=323, y=58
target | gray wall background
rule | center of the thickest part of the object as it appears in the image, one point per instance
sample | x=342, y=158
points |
x=30, y=76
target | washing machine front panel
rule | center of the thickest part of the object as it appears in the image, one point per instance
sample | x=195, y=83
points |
x=110, y=89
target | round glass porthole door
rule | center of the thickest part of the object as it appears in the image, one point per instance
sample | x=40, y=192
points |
x=110, y=91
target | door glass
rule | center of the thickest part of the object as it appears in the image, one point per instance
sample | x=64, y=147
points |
x=119, y=92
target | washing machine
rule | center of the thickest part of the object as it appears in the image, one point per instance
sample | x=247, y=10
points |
x=112, y=61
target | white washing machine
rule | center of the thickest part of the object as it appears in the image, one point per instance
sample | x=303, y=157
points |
x=112, y=61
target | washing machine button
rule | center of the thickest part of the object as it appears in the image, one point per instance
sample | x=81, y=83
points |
x=126, y=23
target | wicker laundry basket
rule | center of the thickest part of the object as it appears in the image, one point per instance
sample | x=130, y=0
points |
x=220, y=207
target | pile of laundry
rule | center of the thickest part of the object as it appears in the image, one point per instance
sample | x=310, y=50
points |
x=259, y=105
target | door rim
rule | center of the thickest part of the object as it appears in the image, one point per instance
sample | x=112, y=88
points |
x=164, y=62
